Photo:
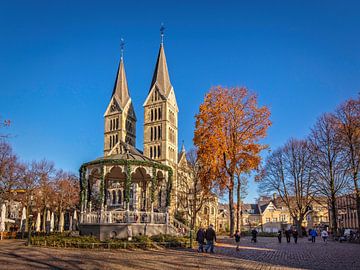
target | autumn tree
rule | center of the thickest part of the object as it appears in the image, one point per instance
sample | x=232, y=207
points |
x=288, y=172
x=229, y=126
x=347, y=126
x=328, y=165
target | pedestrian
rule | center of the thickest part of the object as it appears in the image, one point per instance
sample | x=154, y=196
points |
x=295, y=235
x=254, y=235
x=200, y=238
x=279, y=235
x=313, y=234
x=210, y=237
x=237, y=239
x=324, y=235
x=287, y=235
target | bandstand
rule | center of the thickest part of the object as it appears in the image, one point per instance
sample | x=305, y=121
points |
x=125, y=193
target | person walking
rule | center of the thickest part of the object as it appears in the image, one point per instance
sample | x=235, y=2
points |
x=200, y=238
x=287, y=235
x=254, y=235
x=210, y=237
x=279, y=236
x=313, y=234
x=295, y=235
x=324, y=235
x=237, y=239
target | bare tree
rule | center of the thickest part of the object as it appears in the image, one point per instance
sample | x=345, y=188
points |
x=194, y=195
x=328, y=165
x=347, y=117
x=288, y=172
x=66, y=191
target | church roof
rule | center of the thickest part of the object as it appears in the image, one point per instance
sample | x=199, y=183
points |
x=161, y=78
x=121, y=90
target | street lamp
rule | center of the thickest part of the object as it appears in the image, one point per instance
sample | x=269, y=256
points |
x=30, y=221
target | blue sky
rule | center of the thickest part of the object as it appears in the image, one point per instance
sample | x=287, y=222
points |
x=58, y=61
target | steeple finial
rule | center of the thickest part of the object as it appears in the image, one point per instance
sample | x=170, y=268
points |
x=162, y=29
x=122, y=45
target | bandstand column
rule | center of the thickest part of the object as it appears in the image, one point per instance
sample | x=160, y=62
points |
x=135, y=197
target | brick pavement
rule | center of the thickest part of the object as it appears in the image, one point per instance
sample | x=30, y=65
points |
x=266, y=254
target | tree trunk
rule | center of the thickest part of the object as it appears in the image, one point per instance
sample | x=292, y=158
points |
x=231, y=209
x=238, y=205
x=334, y=215
x=357, y=197
x=298, y=226
x=358, y=208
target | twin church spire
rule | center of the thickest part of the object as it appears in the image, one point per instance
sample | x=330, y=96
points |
x=160, y=114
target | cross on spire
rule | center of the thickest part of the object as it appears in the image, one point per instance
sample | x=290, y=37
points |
x=162, y=29
x=122, y=45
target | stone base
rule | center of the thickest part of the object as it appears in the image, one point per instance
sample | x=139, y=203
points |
x=107, y=231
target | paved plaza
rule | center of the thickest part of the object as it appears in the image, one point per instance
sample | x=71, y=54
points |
x=266, y=254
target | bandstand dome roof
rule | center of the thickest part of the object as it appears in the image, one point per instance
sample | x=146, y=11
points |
x=127, y=152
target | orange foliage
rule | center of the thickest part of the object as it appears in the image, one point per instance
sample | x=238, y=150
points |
x=229, y=126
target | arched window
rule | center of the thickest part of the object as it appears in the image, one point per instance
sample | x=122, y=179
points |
x=155, y=133
x=117, y=138
x=205, y=210
x=155, y=114
x=113, y=197
x=151, y=154
x=119, y=196
x=159, y=113
x=151, y=134
x=152, y=115
x=155, y=152
x=110, y=124
x=159, y=151
x=117, y=123
x=159, y=132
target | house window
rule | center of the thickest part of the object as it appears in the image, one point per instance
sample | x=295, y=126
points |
x=151, y=153
x=212, y=210
x=119, y=196
x=274, y=219
x=267, y=219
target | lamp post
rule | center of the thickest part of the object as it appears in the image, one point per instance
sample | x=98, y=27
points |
x=30, y=220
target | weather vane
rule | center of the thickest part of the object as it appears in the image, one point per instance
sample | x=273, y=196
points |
x=122, y=44
x=162, y=29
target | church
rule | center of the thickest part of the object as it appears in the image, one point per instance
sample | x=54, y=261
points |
x=129, y=191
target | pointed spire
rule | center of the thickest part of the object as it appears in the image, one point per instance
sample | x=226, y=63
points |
x=121, y=90
x=183, y=147
x=161, y=76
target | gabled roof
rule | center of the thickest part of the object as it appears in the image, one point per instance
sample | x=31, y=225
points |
x=250, y=208
x=121, y=90
x=161, y=78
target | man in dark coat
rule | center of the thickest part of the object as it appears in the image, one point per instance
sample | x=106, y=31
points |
x=295, y=235
x=210, y=237
x=200, y=238
x=279, y=235
x=254, y=233
x=287, y=235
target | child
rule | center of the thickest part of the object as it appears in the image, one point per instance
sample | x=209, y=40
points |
x=324, y=235
x=237, y=239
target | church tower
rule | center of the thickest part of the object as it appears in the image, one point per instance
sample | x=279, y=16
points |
x=161, y=115
x=119, y=117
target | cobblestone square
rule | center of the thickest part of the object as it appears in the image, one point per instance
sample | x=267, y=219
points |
x=266, y=254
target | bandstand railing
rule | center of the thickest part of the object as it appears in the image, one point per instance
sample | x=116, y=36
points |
x=125, y=217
